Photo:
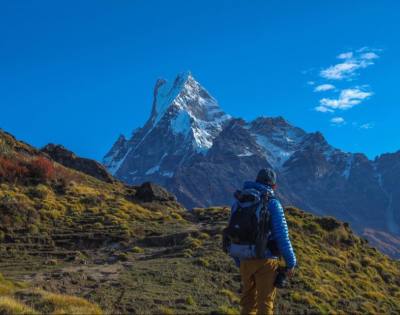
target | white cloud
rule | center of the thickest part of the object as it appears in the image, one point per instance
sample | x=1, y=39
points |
x=348, y=98
x=339, y=71
x=324, y=87
x=367, y=125
x=323, y=109
x=346, y=55
x=338, y=120
x=368, y=49
x=369, y=56
x=347, y=67
x=352, y=62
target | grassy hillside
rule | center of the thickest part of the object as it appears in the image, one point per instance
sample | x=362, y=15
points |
x=18, y=298
x=65, y=232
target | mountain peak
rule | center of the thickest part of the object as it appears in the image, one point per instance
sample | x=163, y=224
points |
x=185, y=119
x=185, y=75
x=188, y=108
x=187, y=94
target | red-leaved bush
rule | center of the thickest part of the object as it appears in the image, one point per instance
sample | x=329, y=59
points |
x=12, y=169
x=20, y=169
x=42, y=169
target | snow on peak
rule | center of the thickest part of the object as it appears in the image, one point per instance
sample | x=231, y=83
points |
x=190, y=109
x=276, y=155
x=164, y=95
x=276, y=138
x=187, y=94
x=181, y=107
x=181, y=123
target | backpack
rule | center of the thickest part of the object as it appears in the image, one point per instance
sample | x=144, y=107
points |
x=250, y=221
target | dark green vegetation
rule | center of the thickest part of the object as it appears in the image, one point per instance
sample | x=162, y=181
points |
x=65, y=232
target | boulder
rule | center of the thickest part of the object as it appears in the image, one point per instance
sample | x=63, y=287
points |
x=149, y=192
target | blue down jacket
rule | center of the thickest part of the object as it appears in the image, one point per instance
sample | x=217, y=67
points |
x=279, y=231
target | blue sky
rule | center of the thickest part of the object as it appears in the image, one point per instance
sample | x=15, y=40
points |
x=81, y=72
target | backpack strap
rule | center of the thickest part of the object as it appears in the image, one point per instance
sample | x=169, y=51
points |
x=264, y=229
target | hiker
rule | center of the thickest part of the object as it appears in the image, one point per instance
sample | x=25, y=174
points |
x=256, y=236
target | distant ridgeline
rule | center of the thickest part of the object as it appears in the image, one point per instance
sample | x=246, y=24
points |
x=190, y=146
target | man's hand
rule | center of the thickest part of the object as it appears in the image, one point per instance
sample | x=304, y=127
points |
x=290, y=272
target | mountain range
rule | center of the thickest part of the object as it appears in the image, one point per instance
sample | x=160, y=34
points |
x=192, y=147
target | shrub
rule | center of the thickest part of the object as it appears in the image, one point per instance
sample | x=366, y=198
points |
x=176, y=216
x=187, y=253
x=190, y=301
x=12, y=170
x=33, y=229
x=233, y=298
x=296, y=297
x=137, y=250
x=17, y=210
x=203, y=236
x=355, y=266
x=42, y=169
x=60, y=186
x=365, y=262
x=51, y=262
x=98, y=226
x=202, y=262
x=166, y=310
x=193, y=243
x=91, y=200
x=39, y=191
x=227, y=310
x=123, y=257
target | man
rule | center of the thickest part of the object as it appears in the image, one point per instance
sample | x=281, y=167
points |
x=258, y=274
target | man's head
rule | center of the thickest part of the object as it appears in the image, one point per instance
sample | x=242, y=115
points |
x=266, y=176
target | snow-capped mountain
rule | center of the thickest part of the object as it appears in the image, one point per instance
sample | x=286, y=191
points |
x=184, y=121
x=193, y=148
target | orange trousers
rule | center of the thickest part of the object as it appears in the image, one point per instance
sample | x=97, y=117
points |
x=258, y=277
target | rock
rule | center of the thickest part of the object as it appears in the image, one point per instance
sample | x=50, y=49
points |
x=149, y=192
x=67, y=158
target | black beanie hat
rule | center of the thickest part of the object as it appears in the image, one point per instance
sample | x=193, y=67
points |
x=266, y=176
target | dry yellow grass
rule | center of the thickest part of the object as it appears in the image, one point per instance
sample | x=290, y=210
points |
x=233, y=298
x=44, y=302
x=10, y=306
x=6, y=287
x=72, y=305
